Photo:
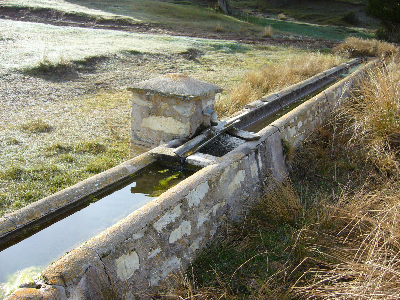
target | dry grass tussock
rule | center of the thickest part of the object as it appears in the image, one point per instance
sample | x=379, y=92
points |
x=356, y=245
x=359, y=259
x=355, y=47
x=273, y=77
x=268, y=31
x=372, y=116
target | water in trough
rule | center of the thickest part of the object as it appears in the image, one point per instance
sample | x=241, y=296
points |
x=36, y=250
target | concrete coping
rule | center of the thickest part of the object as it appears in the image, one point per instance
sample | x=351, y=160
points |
x=176, y=86
x=285, y=119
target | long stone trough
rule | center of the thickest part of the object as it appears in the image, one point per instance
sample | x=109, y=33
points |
x=134, y=258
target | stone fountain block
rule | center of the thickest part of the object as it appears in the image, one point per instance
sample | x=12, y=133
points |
x=170, y=107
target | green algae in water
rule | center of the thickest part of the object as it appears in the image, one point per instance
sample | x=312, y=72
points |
x=159, y=179
x=27, y=277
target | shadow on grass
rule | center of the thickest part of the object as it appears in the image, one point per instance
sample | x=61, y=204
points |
x=65, y=70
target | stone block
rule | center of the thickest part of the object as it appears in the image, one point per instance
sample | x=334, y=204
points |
x=170, y=107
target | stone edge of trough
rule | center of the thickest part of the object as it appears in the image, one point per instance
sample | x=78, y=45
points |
x=302, y=120
x=293, y=91
x=47, y=206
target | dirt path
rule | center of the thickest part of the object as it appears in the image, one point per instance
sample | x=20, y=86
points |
x=59, y=18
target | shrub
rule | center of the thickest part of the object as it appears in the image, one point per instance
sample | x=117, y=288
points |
x=350, y=18
x=388, y=12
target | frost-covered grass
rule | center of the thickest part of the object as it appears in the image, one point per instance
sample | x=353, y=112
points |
x=58, y=5
x=50, y=147
x=27, y=44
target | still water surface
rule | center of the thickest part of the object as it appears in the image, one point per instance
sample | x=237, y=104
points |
x=51, y=243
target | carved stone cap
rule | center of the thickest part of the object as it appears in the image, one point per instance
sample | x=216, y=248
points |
x=176, y=86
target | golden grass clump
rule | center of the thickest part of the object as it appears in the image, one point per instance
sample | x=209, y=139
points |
x=219, y=27
x=268, y=31
x=357, y=250
x=272, y=77
x=282, y=17
x=355, y=47
x=363, y=251
x=373, y=116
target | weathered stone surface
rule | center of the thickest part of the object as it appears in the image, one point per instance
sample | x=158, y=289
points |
x=127, y=264
x=168, y=218
x=184, y=229
x=26, y=294
x=176, y=85
x=170, y=107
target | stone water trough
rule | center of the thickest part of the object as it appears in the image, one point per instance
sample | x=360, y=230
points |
x=135, y=258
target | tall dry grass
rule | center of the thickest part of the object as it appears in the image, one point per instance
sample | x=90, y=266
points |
x=355, y=47
x=359, y=246
x=372, y=116
x=338, y=216
x=273, y=77
x=360, y=254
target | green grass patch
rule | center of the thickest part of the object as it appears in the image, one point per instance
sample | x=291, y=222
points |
x=229, y=47
x=65, y=166
x=67, y=158
x=12, y=173
x=36, y=126
x=63, y=69
x=92, y=147
x=305, y=29
x=12, y=141
x=58, y=148
x=99, y=164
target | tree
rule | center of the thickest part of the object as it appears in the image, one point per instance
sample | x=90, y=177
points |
x=223, y=5
x=388, y=12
